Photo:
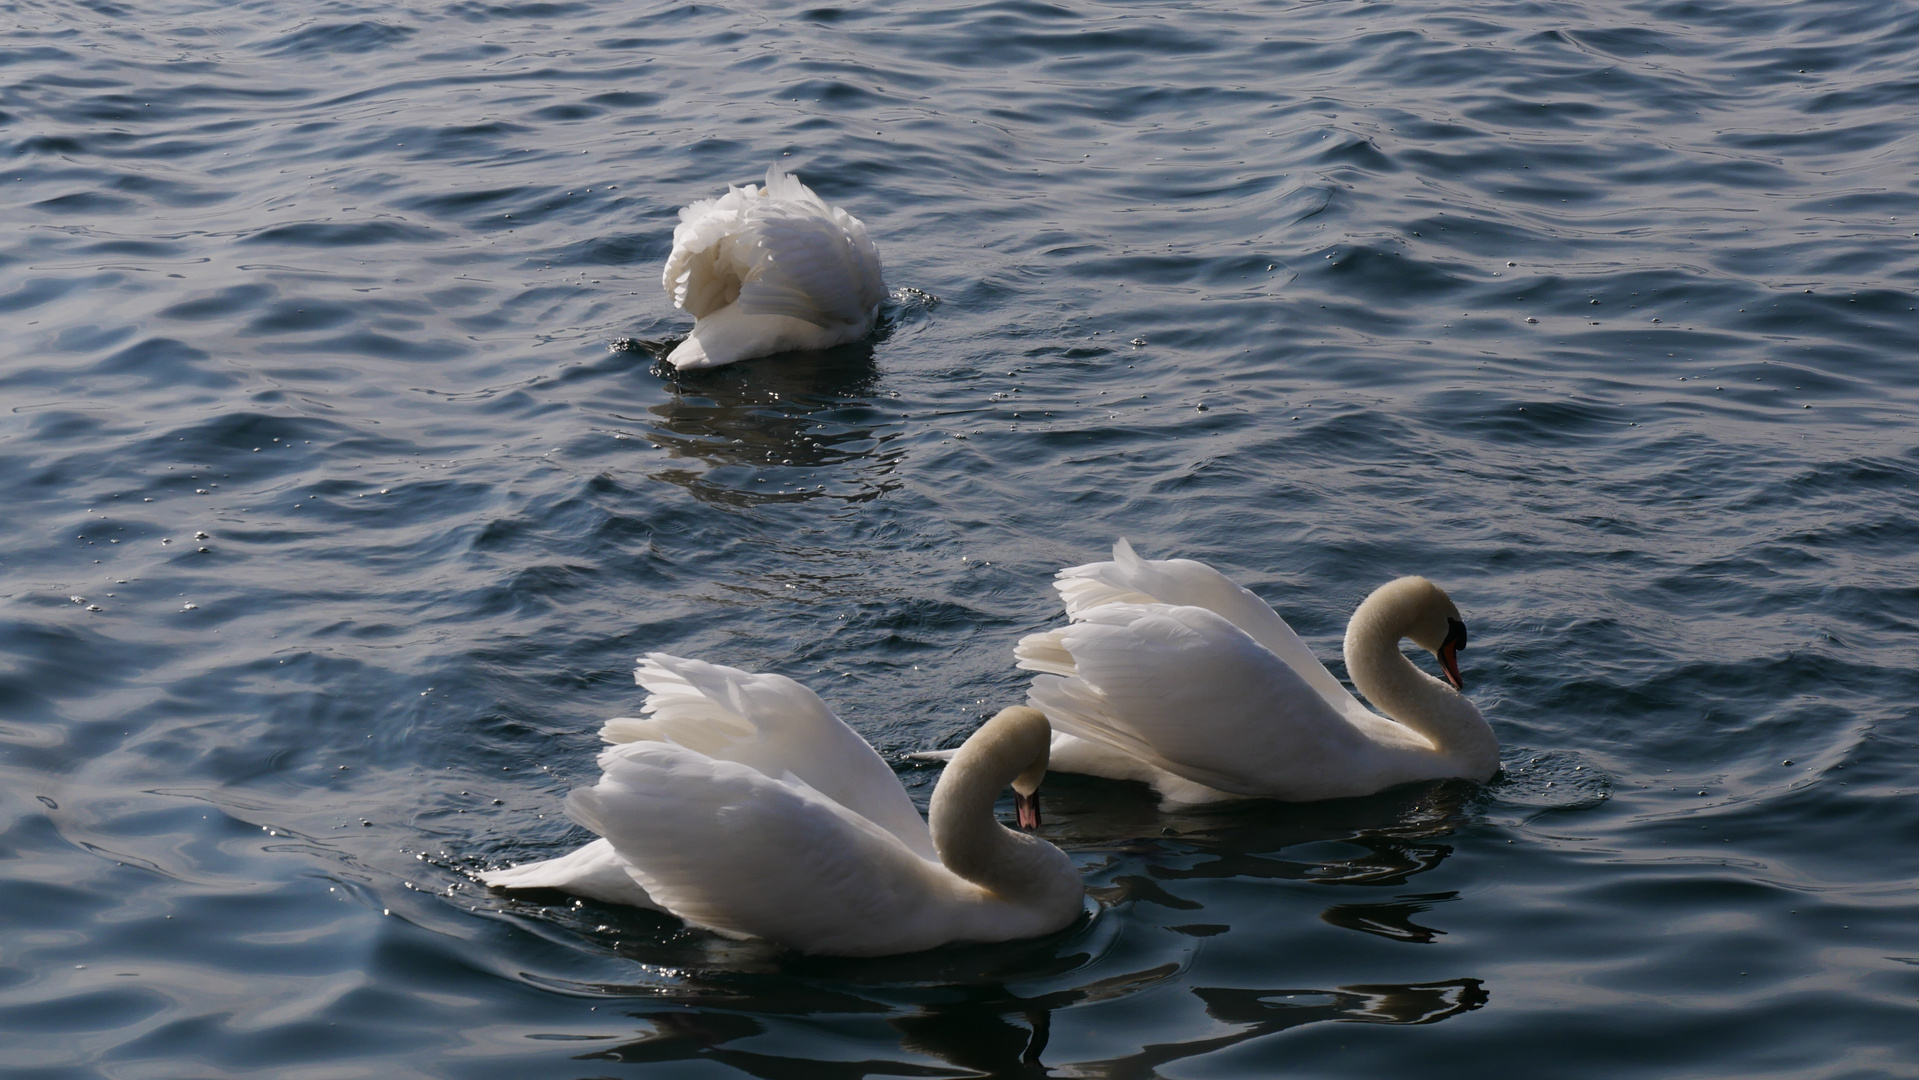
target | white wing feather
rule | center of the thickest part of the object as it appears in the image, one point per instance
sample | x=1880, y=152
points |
x=1129, y=579
x=811, y=268
x=708, y=839
x=775, y=726
x=1185, y=690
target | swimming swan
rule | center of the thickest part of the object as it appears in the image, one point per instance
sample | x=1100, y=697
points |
x=742, y=804
x=770, y=269
x=1172, y=674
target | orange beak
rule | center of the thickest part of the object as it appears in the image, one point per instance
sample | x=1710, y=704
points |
x=1449, y=653
x=1026, y=808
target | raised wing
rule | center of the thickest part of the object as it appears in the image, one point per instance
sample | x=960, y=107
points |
x=1185, y=690
x=1129, y=579
x=724, y=846
x=775, y=726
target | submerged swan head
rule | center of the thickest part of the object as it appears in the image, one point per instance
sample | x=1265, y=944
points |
x=1412, y=607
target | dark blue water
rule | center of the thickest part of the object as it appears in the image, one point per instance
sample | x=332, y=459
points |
x=343, y=487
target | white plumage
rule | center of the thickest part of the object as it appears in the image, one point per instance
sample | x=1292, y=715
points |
x=768, y=269
x=1172, y=674
x=742, y=804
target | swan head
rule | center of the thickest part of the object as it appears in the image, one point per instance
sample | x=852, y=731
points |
x=1428, y=617
x=1024, y=737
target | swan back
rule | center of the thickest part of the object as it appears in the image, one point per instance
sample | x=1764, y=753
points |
x=775, y=726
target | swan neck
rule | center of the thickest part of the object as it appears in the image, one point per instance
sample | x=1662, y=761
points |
x=967, y=834
x=1398, y=688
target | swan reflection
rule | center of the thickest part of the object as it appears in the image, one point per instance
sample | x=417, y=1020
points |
x=989, y=1030
x=783, y=429
x=1383, y=839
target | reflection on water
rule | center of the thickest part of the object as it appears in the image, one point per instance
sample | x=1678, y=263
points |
x=1266, y=1012
x=784, y=429
x=989, y=1030
x=1383, y=839
x=1394, y=920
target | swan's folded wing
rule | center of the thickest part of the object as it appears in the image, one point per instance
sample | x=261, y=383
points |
x=727, y=847
x=821, y=269
x=774, y=725
x=1129, y=579
x=1187, y=691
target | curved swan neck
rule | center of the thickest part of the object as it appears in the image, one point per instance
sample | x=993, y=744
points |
x=1403, y=692
x=969, y=838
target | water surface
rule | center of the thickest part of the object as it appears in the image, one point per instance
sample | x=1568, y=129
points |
x=344, y=486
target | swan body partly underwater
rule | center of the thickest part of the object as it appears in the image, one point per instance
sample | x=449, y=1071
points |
x=1171, y=674
x=770, y=268
x=742, y=804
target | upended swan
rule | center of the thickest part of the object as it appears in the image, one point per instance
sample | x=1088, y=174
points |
x=742, y=804
x=1172, y=674
x=768, y=269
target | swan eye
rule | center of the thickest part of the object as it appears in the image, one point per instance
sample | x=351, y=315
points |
x=1455, y=633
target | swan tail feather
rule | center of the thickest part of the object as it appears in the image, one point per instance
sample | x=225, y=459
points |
x=784, y=186
x=594, y=871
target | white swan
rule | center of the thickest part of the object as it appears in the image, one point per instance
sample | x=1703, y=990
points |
x=742, y=804
x=1172, y=674
x=770, y=269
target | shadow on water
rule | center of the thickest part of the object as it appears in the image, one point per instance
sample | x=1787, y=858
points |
x=781, y=429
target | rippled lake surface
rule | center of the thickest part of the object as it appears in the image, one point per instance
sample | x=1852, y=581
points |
x=343, y=486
